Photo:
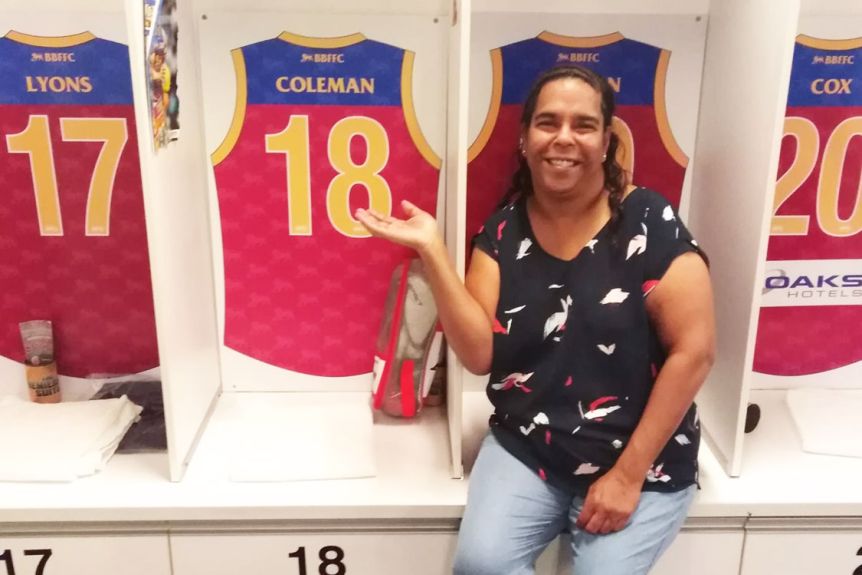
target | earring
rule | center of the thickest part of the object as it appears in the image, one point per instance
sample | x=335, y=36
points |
x=523, y=152
x=604, y=157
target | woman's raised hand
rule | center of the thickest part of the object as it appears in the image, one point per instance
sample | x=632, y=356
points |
x=418, y=231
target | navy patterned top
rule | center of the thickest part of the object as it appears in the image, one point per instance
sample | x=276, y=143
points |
x=575, y=353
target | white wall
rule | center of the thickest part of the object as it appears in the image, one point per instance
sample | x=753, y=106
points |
x=595, y=6
x=432, y=7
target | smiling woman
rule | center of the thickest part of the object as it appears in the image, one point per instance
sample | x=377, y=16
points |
x=590, y=305
x=568, y=146
x=565, y=142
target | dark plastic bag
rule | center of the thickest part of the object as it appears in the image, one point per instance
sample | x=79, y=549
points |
x=148, y=433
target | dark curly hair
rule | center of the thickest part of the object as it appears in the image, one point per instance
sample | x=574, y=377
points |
x=616, y=178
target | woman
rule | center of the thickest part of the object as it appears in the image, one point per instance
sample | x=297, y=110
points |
x=590, y=305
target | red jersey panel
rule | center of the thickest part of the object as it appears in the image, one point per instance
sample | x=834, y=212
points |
x=323, y=126
x=636, y=72
x=73, y=247
x=815, y=246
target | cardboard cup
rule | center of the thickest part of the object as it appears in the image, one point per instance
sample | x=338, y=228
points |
x=43, y=382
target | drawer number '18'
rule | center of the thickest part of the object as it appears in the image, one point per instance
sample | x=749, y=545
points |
x=331, y=560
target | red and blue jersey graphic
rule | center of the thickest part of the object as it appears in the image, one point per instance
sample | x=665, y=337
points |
x=636, y=72
x=322, y=126
x=818, y=213
x=73, y=246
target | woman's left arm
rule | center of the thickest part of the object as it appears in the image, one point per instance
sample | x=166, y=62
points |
x=681, y=309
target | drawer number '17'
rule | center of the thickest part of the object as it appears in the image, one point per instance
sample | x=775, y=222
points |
x=6, y=557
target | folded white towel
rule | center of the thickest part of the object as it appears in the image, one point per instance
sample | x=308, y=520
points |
x=60, y=441
x=291, y=436
x=828, y=420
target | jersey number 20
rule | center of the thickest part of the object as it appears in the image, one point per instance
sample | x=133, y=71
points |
x=831, y=170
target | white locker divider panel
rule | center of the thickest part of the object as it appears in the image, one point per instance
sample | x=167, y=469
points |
x=330, y=551
x=821, y=546
x=85, y=553
x=456, y=195
x=175, y=201
x=745, y=84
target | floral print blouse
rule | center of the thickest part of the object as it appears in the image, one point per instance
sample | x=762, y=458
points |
x=575, y=353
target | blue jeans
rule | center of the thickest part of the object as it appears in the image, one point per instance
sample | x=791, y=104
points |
x=512, y=515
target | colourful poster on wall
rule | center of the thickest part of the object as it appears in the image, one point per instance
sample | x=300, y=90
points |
x=811, y=308
x=636, y=72
x=160, y=41
x=73, y=248
x=321, y=127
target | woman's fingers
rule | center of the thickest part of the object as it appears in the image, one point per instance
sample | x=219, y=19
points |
x=410, y=209
x=365, y=217
x=372, y=215
x=385, y=227
x=415, y=231
x=372, y=221
x=608, y=526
